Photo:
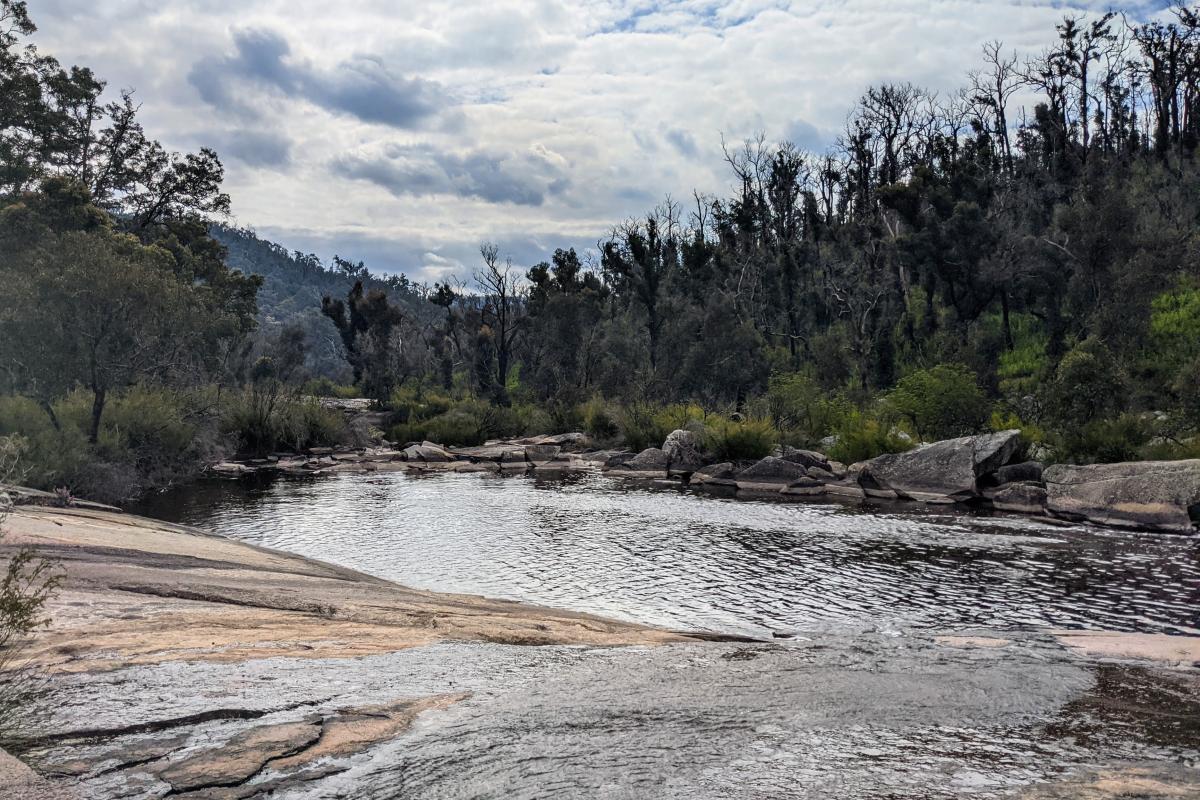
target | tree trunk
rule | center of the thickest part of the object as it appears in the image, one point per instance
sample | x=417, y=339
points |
x=98, y=399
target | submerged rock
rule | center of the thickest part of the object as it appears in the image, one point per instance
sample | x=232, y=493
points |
x=946, y=471
x=1160, y=495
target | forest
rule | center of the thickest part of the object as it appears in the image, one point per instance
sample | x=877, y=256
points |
x=1019, y=253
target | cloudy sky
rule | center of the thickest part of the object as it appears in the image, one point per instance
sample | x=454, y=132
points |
x=405, y=133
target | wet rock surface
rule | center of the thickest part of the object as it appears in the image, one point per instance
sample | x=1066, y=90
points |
x=822, y=716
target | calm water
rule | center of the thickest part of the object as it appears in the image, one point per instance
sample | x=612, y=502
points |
x=596, y=544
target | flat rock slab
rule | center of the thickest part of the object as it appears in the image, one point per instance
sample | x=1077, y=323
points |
x=241, y=758
x=1158, y=495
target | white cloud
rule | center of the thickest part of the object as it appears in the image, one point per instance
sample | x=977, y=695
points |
x=405, y=133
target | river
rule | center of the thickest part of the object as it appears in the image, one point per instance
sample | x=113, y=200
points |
x=851, y=691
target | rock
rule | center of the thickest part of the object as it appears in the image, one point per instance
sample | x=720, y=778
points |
x=1021, y=498
x=848, y=488
x=1019, y=473
x=538, y=454
x=428, y=452
x=615, y=460
x=828, y=442
x=714, y=476
x=946, y=471
x=320, y=451
x=804, y=487
x=767, y=477
x=574, y=442
x=838, y=469
x=650, y=463
x=241, y=757
x=805, y=458
x=821, y=474
x=684, y=452
x=1159, y=495
x=774, y=470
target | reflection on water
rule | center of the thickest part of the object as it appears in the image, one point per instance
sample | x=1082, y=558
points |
x=595, y=544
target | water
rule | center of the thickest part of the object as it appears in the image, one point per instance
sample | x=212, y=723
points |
x=598, y=544
x=863, y=701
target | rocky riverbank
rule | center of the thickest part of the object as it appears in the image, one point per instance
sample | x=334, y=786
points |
x=145, y=594
x=181, y=663
x=983, y=471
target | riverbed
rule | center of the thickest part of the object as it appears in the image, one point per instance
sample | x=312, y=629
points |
x=890, y=652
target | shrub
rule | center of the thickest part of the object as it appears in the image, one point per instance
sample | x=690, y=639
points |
x=263, y=421
x=860, y=437
x=639, y=428
x=1088, y=385
x=941, y=402
x=324, y=387
x=1104, y=441
x=802, y=409
x=733, y=440
x=599, y=420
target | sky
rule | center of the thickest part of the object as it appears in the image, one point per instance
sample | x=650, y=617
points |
x=404, y=134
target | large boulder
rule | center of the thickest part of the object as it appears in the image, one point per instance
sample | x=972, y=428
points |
x=805, y=458
x=538, y=454
x=684, y=452
x=768, y=476
x=942, y=472
x=715, y=477
x=427, y=452
x=650, y=463
x=1158, y=495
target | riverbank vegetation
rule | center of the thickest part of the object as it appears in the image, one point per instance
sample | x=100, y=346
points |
x=1020, y=253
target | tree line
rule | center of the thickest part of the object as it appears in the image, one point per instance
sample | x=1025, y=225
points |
x=1036, y=227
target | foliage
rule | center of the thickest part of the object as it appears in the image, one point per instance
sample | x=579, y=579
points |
x=941, y=402
x=261, y=423
x=600, y=420
x=1103, y=441
x=1088, y=385
x=325, y=387
x=802, y=408
x=861, y=436
x=734, y=440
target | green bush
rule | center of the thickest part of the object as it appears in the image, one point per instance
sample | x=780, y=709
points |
x=941, y=402
x=860, y=437
x=599, y=420
x=639, y=428
x=1088, y=385
x=734, y=440
x=802, y=409
x=149, y=438
x=324, y=387
x=261, y=422
x=1103, y=441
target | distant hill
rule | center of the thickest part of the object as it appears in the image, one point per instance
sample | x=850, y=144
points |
x=295, y=282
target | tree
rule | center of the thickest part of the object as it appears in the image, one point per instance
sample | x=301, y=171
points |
x=504, y=314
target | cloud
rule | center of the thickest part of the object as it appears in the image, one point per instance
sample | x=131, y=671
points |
x=255, y=148
x=364, y=87
x=524, y=178
x=404, y=132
